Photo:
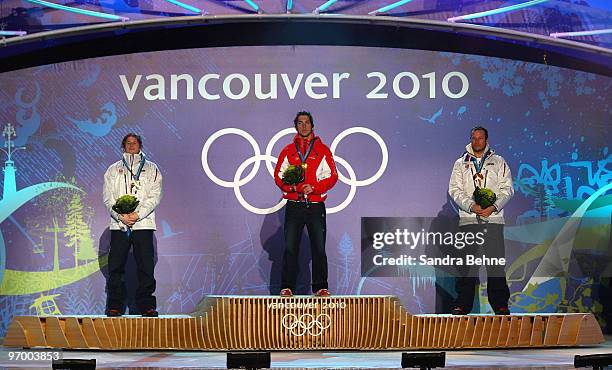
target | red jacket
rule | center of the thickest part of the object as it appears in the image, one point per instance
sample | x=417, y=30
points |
x=320, y=173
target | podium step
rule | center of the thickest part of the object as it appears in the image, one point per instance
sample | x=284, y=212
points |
x=303, y=323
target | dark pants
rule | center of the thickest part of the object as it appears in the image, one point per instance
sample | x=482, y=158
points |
x=298, y=215
x=142, y=241
x=497, y=286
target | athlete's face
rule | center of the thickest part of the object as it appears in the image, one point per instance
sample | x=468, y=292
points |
x=131, y=145
x=479, y=141
x=304, y=126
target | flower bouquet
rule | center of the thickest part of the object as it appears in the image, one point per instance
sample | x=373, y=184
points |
x=126, y=204
x=485, y=198
x=293, y=175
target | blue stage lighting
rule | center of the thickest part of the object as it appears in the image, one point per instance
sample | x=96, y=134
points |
x=79, y=11
x=496, y=11
x=389, y=7
x=581, y=33
x=324, y=6
x=185, y=6
x=12, y=33
x=252, y=5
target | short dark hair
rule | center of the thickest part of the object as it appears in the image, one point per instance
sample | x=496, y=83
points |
x=129, y=135
x=302, y=113
x=479, y=128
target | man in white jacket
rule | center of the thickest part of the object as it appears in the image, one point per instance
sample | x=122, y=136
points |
x=132, y=175
x=481, y=167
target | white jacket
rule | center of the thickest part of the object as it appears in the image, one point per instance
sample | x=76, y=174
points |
x=495, y=176
x=117, y=180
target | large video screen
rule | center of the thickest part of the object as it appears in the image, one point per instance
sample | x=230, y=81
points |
x=214, y=120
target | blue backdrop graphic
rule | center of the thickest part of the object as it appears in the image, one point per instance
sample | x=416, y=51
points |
x=395, y=119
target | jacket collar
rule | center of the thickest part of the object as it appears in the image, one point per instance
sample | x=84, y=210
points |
x=133, y=160
x=469, y=152
x=304, y=142
x=297, y=138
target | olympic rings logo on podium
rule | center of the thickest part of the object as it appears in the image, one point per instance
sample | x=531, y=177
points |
x=270, y=162
x=306, y=323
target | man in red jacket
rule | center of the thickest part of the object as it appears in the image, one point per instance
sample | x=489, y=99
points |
x=305, y=203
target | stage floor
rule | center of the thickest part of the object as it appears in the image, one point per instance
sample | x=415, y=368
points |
x=547, y=358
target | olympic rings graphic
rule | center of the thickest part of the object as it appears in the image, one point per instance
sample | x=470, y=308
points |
x=270, y=162
x=306, y=323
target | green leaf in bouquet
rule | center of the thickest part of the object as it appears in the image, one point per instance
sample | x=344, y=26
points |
x=293, y=175
x=126, y=204
x=484, y=197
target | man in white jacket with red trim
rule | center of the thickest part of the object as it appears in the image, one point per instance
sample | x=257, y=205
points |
x=481, y=167
x=132, y=175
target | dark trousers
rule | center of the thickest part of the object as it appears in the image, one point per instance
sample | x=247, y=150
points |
x=142, y=241
x=298, y=215
x=497, y=286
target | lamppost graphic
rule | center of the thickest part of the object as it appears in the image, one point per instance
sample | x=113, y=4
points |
x=10, y=186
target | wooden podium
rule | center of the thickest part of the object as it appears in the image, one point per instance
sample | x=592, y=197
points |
x=303, y=323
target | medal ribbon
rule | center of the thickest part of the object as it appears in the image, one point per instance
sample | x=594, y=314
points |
x=303, y=157
x=480, y=166
x=139, y=170
x=135, y=178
